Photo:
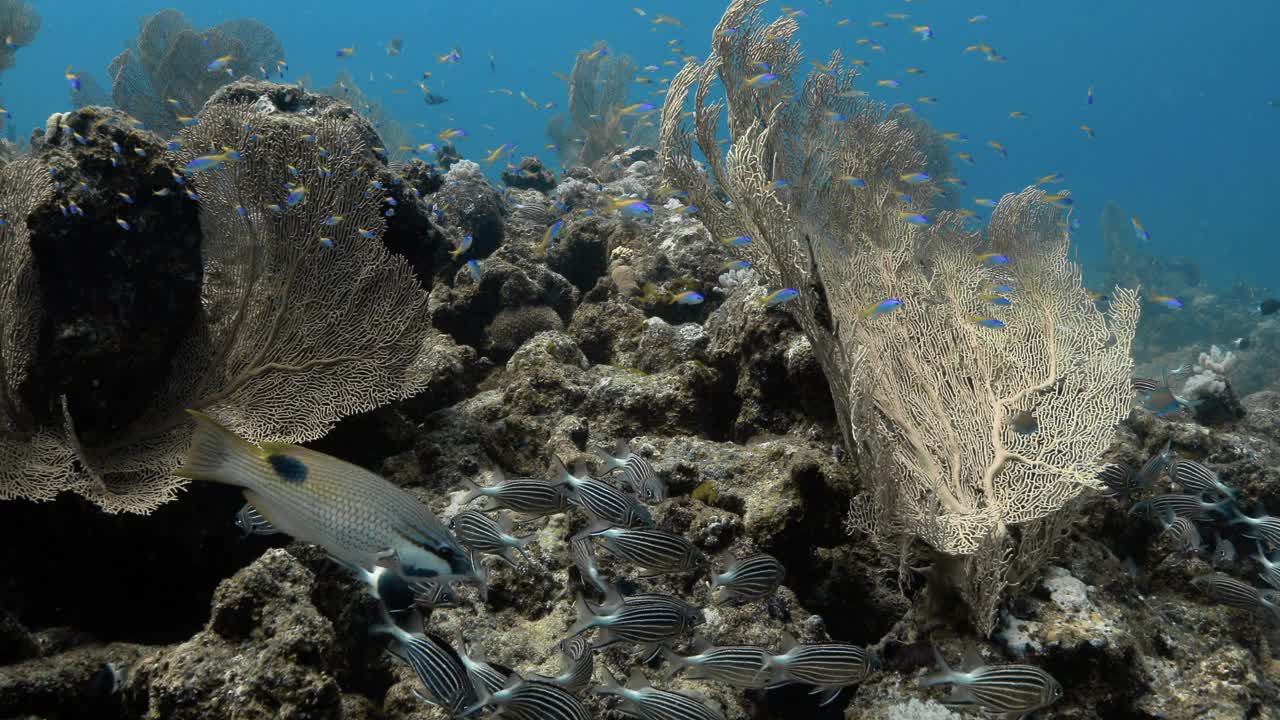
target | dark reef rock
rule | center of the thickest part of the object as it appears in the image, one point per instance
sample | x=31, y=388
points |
x=530, y=174
x=266, y=652
x=116, y=301
x=473, y=206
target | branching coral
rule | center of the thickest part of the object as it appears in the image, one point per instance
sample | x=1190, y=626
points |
x=19, y=24
x=976, y=440
x=295, y=333
x=171, y=62
x=594, y=126
x=1210, y=376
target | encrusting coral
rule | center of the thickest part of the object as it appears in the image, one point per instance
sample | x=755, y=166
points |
x=927, y=388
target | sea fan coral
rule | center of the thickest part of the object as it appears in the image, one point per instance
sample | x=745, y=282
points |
x=19, y=24
x=594, y=127
x=927, y=394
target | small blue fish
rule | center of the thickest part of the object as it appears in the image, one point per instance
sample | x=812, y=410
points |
x=986, y=321
x=126, y=197
x=914, y=178
x=550, y=235
x=912, y=218
x=688, y=297
x=366, y=234
x=473, y=266
x=736, y=265
x=884, y=306
x=297, y=194
x=462, y=247
x=331, y=220
x=737, y=241
x=778, y=297
x=993, y=258
x=855, y=182
x=779, y=184
x=72, y=79
x=762, y=80
x=124, y=224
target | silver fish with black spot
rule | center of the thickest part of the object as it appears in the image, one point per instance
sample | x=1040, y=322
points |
x=829, y=667
x=579, y=665
x=607, y=506
x=482, y=534
x=251, y=522
x=529, y=496
x=754, y=577
x=640, y=699
x=637, y=472
x=740, y=666
x=435, y=664
x=1011, y=690
x=531, y=700
x=656, y=551
x=1224, y=552
x=352, y=513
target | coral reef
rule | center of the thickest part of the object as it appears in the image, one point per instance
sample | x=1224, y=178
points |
x=173, y=68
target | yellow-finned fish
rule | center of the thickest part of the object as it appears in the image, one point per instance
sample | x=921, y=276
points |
x=357, y=516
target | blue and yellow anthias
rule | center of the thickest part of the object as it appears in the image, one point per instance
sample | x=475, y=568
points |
x=358, y=517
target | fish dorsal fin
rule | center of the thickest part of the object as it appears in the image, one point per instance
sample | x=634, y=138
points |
x=496, y=476
x=513, y=680
x=972, y=659
x=622, y=450
x=788, y=642
x=637, y=680
x=728, y=563
x=612, y=596
x=504, y=523
x=580, y=470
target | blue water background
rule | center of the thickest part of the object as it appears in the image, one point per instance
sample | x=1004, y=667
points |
x=1186, y=139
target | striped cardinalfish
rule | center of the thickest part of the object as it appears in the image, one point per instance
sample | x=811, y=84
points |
x=607, y=506
x=649, y=624
x=482, y=674
x=693, y=613
x=1119, y=479
x=656, y=551
x=1009, y=689
x=585, y=560
x=482, y=534
x=1195, y=477
x=1265, y=528
x=1235, y=593
x=1183, y=532
x=531, y=700
x=251, y=522
x=434, y=663
x=434, y=595
x=1155, y=467
x=751, y=578
x=529, y=496
x=353, y=514
x=1190, y=506
x=579, y=665
x=637, y=472
x=1270, y=567
x=829, y=666
x=740, y=666
x=641, y=699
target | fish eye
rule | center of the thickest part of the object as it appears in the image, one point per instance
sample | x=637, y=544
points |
x=445, y=552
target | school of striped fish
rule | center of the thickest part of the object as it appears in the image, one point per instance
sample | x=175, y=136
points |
x=409, y=561
x=1187, y=501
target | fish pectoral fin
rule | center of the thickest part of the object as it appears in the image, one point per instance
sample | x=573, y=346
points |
x=828, y=695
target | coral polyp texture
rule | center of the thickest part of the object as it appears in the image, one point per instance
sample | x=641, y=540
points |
x=928, y=391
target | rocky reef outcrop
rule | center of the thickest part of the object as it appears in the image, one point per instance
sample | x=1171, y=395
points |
x=558, y=344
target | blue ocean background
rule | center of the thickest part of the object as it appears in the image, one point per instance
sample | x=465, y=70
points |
x=1186, y=139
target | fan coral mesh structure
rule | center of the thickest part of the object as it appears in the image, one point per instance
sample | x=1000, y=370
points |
x=19, y=24
x=294, y=335
x=33, y=463
x=926, y=397
x=598, y=87
x=170, y=62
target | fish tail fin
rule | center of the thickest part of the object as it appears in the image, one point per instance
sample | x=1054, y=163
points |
x=586, y=618
x=944, y=673
x=219, y=455
x=473, y=491
x=674, y=659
